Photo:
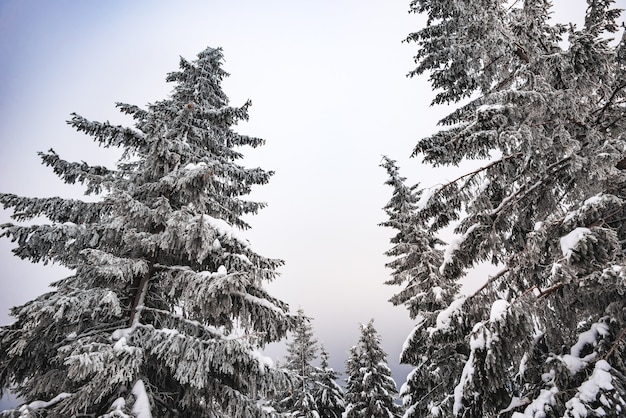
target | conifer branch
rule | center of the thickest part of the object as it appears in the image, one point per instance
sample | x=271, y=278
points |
x=615, y=345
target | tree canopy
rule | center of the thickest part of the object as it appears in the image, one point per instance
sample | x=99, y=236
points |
x=165, y=313
x=543, y=106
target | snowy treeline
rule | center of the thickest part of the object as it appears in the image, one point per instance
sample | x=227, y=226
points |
x=166, y=314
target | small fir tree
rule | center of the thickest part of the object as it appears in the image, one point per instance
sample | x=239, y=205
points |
x=546, y=335
x=416, y=250
x=427, y=294
x=370, y=388
x=299, y=401
x=165, y=312
x=328, y=395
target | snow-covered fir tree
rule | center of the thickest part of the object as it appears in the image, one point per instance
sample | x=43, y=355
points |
x=370, y=388
x=426, y=293
x=416, y=250
x=299, y=400
x=327, y=393
x=166, y=311
x=544, y=107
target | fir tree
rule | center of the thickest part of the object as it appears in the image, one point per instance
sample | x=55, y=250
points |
x=370, y=389
x=416, y=251
x=427, y=294
x=546, y=336
x=299, y=401
x=328, y=395
x=165, y=312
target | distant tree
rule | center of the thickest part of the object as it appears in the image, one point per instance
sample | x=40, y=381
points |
x=370, y=388
x=299, y=401
x=328, y=395
x=416, y=250
x=165, y=313
x=427, y=294
x=546, y=336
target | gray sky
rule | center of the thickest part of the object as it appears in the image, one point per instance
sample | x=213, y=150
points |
x=329, y=94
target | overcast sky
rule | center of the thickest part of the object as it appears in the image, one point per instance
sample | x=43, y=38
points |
x=329, y=94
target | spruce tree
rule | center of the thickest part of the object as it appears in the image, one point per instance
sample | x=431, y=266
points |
x=416, y=250
x=328, y=395
x=546, y=336
x=299, y=400
x=370, y=388
x=426, y=294
x=165, y=312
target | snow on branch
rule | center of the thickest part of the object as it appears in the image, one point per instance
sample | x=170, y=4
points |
x=225, y=229
x=571, y=240
x=25, y=410
x=454, y=246
x=600, y=380
x=574, y=361
x=141, y=407
x=444, y=318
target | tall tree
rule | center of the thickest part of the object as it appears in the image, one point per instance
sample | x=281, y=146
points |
x=370, y=388
x=327, y=393
x=427, y=294
x=299, y=400
x=166, y=312
x=546, y=336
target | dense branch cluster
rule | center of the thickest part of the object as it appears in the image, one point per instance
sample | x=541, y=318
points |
x=545, y=336
x=166, y=311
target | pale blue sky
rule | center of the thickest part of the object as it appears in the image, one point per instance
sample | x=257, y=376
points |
x=330, y=96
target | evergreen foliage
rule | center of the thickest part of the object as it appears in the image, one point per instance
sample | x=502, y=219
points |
x=370, y=388
x=166, y=312
x=315, y=392
x=426, y=293
x=299, y=401
x=546, y=336
x=327, y=393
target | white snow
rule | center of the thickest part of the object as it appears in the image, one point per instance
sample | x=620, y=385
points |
x=258, y=301
x=192, y=166
x=225, y=229
x=571, y=240
x=498, y=310
x=141, y=407
x=121, y=345
x=221, y=272
x=601, y=379
x=118, y=405
x=420, y=319
x=34, y=405
x=537, y=408
x=480, y=337
x=589, y=337
x=264, y=361
x=573, y=361
x=454, y=245
x=576, y=364
x=444, y=318
x=421, y=204
x=118, y=334
x=486, y=107
x=588, y=391
x=244, y=258
x=515, y=403
x=466, y=375
x=593, y=200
